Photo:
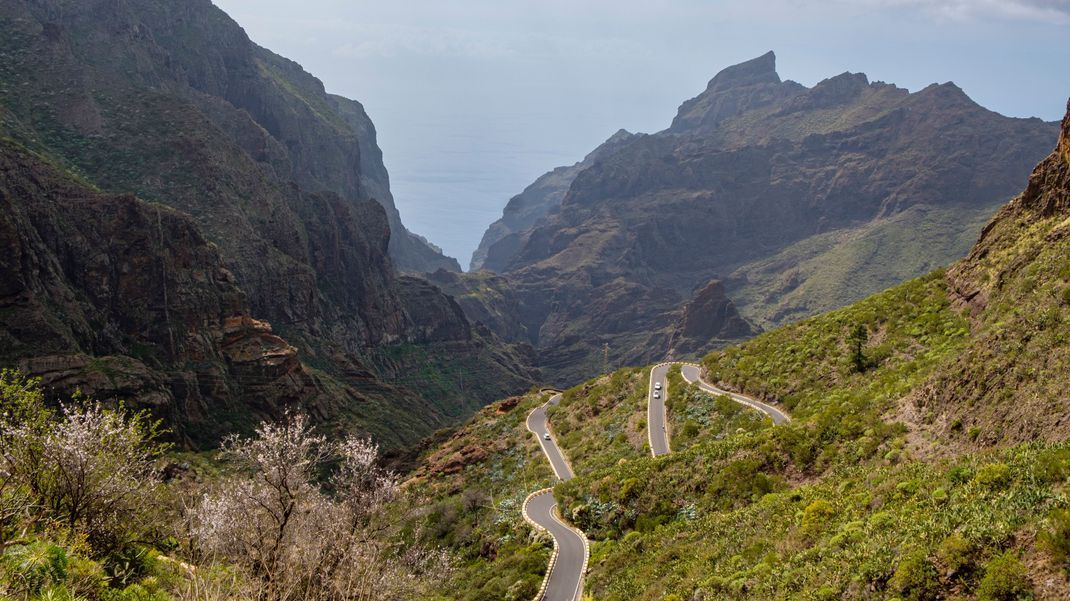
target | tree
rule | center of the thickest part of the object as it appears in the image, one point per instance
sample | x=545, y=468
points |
x=859, y=338
x=89, y=467
x=275, y=518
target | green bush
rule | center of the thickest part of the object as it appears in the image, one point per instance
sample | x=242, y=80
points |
x=955, y=553
x=1005, y=579
x=914, y=577
x=1052, y=466
x=940, y=496
x=34, y=567
x=994, y=476
x=521, y=590
x=1056, y=538
x=817, y=515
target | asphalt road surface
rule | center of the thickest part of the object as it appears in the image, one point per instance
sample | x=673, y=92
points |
x=537, y=423
x=693, y=374
x=566, y=577
x=657, y=423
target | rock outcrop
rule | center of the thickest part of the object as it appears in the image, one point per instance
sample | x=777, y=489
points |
x=799, y=199
x=708, y=317
x=126, y=300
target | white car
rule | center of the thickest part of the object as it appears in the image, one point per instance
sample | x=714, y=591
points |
x=657, y=395
x=546, y=436
x=657, y=386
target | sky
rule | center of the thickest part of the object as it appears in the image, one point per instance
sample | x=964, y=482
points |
x=474, y=99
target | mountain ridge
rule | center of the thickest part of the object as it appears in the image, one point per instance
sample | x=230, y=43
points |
x=753, y=168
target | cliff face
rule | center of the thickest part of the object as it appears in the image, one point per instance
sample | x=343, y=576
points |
x=505, y=236
x=1009, y=385
x=126, y=300
x=267, y=104
x=799, y=199
x=172, y=103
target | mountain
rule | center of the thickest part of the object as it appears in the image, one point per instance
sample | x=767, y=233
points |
x=171, y=103
x=927, y=455
x=797, y=200
x=537, y=200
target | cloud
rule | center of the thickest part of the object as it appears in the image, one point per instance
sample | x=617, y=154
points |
x=1044, y=11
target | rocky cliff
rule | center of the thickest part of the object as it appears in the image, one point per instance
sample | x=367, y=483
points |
x=1009, y=384
x=798, y=199
x=172, y=103
x=544, y=195
x=121, y=55
x=126, y=300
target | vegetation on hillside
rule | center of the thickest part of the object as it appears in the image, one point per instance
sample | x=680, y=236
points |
x=843, y=502
x=93, y=508
x=471, y=489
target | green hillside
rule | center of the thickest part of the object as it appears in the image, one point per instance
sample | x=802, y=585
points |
x=928, y=455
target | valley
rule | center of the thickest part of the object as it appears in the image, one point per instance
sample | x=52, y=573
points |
x=807, y=341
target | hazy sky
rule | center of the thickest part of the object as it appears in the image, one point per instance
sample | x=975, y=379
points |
x=474, y=99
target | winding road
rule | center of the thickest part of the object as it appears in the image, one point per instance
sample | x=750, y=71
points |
x=658, y=432
x=538, y=425
x=693, y=374
x=564, y=577
x=568, y=563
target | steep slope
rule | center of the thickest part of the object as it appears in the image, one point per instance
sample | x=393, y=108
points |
x=927, y=457
x=1010, y=385
x=524, y=210
x=797, y=199
x=173, y=103
x=126, y=300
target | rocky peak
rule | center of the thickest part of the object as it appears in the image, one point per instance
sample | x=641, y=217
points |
x=709, y=316
x=761, y=70
x=737, y=89
x=1048, y=192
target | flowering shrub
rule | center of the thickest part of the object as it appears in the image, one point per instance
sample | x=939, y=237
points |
x=89, y=467
x=274, y=519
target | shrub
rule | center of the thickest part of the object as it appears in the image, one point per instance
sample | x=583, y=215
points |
x=521, y=590
x=993, y=476
x=36, y=566
x=817, y=515
x=91, y=468
x=273, y=519
x=690, y=429
x=628, y=489
x=1056, y=538
x=954, y=552
x=1005, y=579
x=914, y=577
x=633, y=539
x=940, y=496
x=960, y=474
x=1052, y=466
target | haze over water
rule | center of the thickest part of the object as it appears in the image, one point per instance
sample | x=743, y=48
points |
x=473, y=100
